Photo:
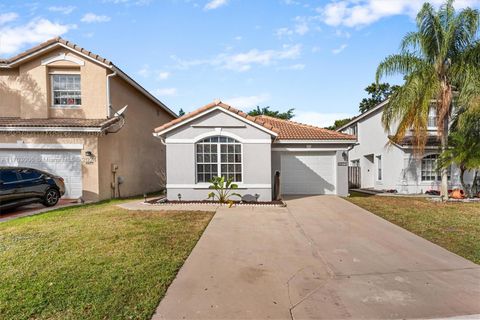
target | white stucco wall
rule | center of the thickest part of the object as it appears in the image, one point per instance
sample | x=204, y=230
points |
x=401, y=168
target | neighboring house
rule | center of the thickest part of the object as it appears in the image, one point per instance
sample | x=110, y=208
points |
x=58, y=113
x=218, y=140
x=385, y=165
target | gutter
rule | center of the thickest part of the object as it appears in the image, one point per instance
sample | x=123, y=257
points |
x=109, y=102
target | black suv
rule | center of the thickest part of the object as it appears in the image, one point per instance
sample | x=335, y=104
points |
x=20, y=186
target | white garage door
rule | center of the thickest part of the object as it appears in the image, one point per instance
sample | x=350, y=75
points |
x=64, y=163
x=308, y=173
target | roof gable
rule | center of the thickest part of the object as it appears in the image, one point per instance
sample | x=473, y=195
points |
x=59, y=42
x=363, y=115
x=281, y=129
x=216, y=105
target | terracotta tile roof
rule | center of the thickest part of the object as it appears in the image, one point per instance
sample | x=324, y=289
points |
x=58, y=123
x=285, y=129
x=291, y=130
x=211, y=106
x=53, y=41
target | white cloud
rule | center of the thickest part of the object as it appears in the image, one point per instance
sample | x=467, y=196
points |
x=319, y=119
x=296, y=67
x=146, y=71
x=355, y=13
x=12, y=39
x=244, y=61
x=7, y=17
x=62, y=9
x=92, y=18
x=300, y=27
x=247, y=102
x=129, y=2
x=339, y=49
x=163, y=75
x=214, y=4
x=165, y=92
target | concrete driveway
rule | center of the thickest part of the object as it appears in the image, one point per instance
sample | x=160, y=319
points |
x=320, y=258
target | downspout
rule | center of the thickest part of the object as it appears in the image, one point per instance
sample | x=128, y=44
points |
x=109, y=102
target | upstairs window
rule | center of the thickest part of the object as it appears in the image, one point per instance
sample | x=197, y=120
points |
x=66, y=90
x=217, y=157
x=432, y=118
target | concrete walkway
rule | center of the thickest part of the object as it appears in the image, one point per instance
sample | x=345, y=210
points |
x=320, y=258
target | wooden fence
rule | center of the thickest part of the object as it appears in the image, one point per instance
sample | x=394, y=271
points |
x=354, y=177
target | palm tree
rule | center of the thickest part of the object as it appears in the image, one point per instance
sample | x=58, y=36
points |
x=464, y=147
x=440, y=63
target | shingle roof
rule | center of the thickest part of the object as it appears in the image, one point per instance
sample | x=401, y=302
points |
x=285, y=129
x=291, y=130
x=58, y=123
x=53, y=41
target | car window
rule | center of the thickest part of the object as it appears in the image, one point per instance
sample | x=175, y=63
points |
x=27, y=174
x=8, y=176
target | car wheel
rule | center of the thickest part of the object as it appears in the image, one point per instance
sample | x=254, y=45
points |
x=51, y=197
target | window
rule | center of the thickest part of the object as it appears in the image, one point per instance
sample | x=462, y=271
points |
x=354, y=130
x=379, y=168
x=217, y=157
x=8, y=176
x=430, y=170
x=432, y=117
x=66, y=91
x=28, y=174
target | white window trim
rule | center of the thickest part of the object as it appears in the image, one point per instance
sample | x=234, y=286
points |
x=219, y=163
x=62, y=57
x=379, y=167
x=60, y=106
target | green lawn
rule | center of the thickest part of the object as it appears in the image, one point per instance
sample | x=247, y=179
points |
x=454, y=226
x=93, y=262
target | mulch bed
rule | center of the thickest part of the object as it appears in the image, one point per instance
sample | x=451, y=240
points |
x=163, y=201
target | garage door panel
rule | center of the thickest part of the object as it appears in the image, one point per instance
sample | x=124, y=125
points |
x=308, y=173
x=64, y=163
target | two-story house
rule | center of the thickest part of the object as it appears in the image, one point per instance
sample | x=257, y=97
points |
x=385, y=165
x=62, y=110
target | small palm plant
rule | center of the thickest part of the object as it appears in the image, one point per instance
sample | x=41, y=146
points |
x=223, y=190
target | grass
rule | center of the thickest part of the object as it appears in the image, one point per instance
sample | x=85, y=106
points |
x=453, y=226
x=93, y=262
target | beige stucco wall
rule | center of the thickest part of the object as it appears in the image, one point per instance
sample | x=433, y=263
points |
x=26, y=91
x=140, y=156
x=89, y=168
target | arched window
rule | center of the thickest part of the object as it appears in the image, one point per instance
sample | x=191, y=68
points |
x=219, y=156
x=430, y=170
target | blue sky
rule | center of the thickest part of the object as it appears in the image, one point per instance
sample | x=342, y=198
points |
x=314, y=56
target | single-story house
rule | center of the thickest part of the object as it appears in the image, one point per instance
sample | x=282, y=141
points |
x=219, y=140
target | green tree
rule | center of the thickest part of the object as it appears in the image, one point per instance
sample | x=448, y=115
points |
x=272, y=113
x=439, y=59
x=378, y=93
x=464, y=148
x=181, y=112
x=339, y=123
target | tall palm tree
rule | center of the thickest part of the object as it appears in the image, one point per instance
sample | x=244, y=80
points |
x=440, y=63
